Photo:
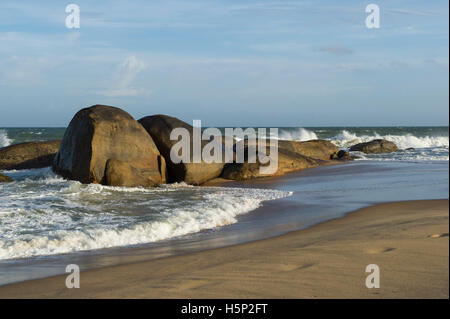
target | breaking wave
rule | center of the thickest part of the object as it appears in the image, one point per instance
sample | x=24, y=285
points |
x=422, y=147
x=43, y=214
x=347, y=139
x=4, y=139
x=299, y=134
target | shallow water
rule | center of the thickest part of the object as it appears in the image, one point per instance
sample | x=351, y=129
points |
x=318, y=194
x=43, y=214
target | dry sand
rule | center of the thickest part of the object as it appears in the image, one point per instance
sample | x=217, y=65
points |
x=407, y=240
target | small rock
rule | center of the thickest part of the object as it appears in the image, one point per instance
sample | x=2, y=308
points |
x=375, y=147
x=5, y=179
x=341, y=156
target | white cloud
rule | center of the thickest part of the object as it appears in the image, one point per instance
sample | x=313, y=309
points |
x=125, y=77
x=24, y=71
x=129, y=69
x=124, y=92
x=413, y=12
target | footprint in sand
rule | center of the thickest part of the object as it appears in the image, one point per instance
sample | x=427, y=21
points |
x=291, y=267
x=438, y=235
x=380, y=250
x=193, y=284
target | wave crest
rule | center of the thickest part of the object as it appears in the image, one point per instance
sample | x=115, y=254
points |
x=299, y=134
x=4, y=139
x=347, y=139
x=67, y=216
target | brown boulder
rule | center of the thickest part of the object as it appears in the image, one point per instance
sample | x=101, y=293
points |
x=288, y=161
x=292, y=156
x=121, y=173
x=100, y=133
x=320, y=149
x=160, y=127
x=375, y=147
x=28, y=155
x=5, y=179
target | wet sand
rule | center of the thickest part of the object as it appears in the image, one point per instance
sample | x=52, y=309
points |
x=407, y=240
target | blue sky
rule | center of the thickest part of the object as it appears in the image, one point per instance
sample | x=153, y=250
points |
x=227, y=63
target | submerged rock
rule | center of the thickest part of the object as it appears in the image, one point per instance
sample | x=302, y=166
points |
x=160, y=127
x=375, y=147
x=5, y=179
x=292, y=156
x=342, y=156
x=288, y=161
x=28, y=155
x=319, y=149
x=101, y=134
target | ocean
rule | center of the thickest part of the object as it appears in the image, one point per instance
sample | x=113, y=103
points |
x=42, y=215
x=429, y=143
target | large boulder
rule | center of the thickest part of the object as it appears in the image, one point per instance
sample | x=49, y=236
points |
x=160, y=127
x=121, y=173
x=320, y=149
x=5, y=179
x=101, y=135
x=288, y=161
x=28, y=155
x=375, y=147
x=292, y=156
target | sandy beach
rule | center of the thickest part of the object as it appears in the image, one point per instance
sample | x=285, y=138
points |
x=407, y=240
x=245, y=150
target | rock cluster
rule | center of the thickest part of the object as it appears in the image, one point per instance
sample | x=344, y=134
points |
x=106, y=145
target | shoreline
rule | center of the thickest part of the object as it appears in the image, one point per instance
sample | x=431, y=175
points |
x=329, y=259
x=306, y=208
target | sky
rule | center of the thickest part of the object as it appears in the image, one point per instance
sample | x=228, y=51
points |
x=227, y=63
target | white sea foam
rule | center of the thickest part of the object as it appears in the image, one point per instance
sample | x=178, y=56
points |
x=42, y=214
x=420, y=157
x=347, y=139
x=4, y=139
x=299, y=134
x=412, y=148
x=425, y=148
